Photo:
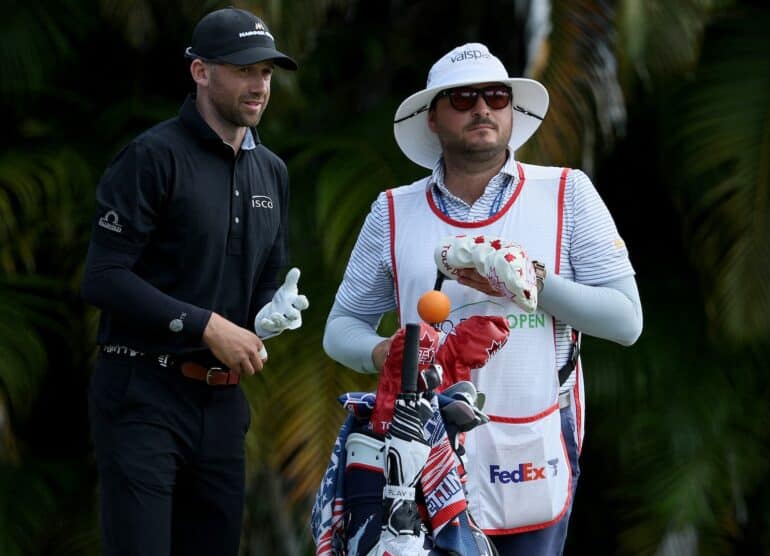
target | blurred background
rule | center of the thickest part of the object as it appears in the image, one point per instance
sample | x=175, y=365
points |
x=665, y=104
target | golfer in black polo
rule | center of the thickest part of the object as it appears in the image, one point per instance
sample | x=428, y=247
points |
x=189, y=238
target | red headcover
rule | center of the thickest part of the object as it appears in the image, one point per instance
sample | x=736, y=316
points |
x=389, y=384
x=468, y=346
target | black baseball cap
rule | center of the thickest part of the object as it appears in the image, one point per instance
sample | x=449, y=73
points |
x=235, y=37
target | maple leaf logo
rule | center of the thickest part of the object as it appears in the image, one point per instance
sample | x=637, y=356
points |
x=496, y=346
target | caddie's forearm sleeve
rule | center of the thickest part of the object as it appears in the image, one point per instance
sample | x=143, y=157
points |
x=611, y=311
x=349, y=338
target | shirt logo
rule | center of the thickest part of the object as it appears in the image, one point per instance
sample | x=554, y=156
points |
x=261, y=201
x=524, y=472
x=111, y=222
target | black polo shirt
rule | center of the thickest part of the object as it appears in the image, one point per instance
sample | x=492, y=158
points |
x=184, y=226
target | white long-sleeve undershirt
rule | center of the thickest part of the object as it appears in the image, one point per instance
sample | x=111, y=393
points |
x=611, y=311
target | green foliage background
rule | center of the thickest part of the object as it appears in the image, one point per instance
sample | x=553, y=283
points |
x=665, y=104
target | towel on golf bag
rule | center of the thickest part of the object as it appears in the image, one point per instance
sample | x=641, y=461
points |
x=356, y=531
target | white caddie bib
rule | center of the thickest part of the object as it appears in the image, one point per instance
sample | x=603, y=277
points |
x=518, y=471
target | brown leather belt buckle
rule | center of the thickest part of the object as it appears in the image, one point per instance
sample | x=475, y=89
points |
x=213, y=376
x=209, y=374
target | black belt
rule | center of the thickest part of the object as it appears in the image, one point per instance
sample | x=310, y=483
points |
x=213, y=375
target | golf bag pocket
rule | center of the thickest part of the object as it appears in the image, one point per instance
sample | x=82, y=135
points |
x=519, y=474
x=364, y=481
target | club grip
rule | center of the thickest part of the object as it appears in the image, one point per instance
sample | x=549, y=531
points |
x=439, y=280
x=409, y=364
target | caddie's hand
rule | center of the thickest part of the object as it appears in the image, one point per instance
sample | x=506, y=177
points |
x=511, y=272
x=470, y=277
x=490, y=264
x=284, y=311
x=380, y=353
x=239, y=349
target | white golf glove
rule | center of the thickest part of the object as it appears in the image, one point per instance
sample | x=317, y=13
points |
x=504, y=263
x=283, y=312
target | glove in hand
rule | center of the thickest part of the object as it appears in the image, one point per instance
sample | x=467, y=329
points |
x=283, y=312
x=504, y=263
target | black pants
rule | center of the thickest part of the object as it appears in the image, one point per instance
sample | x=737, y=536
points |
x=170, y=455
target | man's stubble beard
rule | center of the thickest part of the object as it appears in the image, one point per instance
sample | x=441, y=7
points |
x=458, y=147
x=470, y=152
x=232, y=114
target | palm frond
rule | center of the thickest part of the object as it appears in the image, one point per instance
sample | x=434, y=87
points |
x=659, y=40
x=41, y=198
x=33, y=39
x=577, y=65
x=26, y=504
x=720, y=135
x=684, y=459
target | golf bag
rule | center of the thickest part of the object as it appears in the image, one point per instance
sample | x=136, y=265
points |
x=395, y=481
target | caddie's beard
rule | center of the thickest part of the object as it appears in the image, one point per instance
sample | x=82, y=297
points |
x=459, y=147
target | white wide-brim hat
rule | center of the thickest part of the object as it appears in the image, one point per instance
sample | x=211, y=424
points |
x=469, y=64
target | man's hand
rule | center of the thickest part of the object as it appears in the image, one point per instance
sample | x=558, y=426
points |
x=380, y=353
x=239, y=349
x=491, y=265
x=283, y=312
x=471, y=278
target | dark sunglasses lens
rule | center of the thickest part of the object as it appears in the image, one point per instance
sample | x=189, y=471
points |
x=463, y=99
x=497, y=97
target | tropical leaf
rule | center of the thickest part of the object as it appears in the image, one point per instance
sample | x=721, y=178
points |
x=659, y=40
x=26, y=503
x=681, y=460
x=41, y=200
x=33, y=39
x=577, y=64
x=719, y=134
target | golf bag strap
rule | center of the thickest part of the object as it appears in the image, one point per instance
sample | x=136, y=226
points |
x=574, y=354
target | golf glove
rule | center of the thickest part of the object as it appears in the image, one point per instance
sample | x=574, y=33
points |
x=284, y=311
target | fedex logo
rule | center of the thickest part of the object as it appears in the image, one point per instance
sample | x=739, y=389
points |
x=525, y=472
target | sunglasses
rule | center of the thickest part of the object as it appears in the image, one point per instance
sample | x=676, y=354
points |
x=463, y=99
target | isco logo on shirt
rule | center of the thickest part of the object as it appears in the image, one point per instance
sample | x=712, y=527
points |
x=261, y=201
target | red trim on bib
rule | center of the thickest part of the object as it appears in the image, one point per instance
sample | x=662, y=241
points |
x=560, y=225
x=392, y=224
x=500, y=213
x=531, y=418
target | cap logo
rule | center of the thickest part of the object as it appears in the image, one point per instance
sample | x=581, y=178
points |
x=259, y=29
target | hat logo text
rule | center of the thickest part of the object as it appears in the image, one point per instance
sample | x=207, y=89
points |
x=110, y=222
x=469, y=55
x=259, y=29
